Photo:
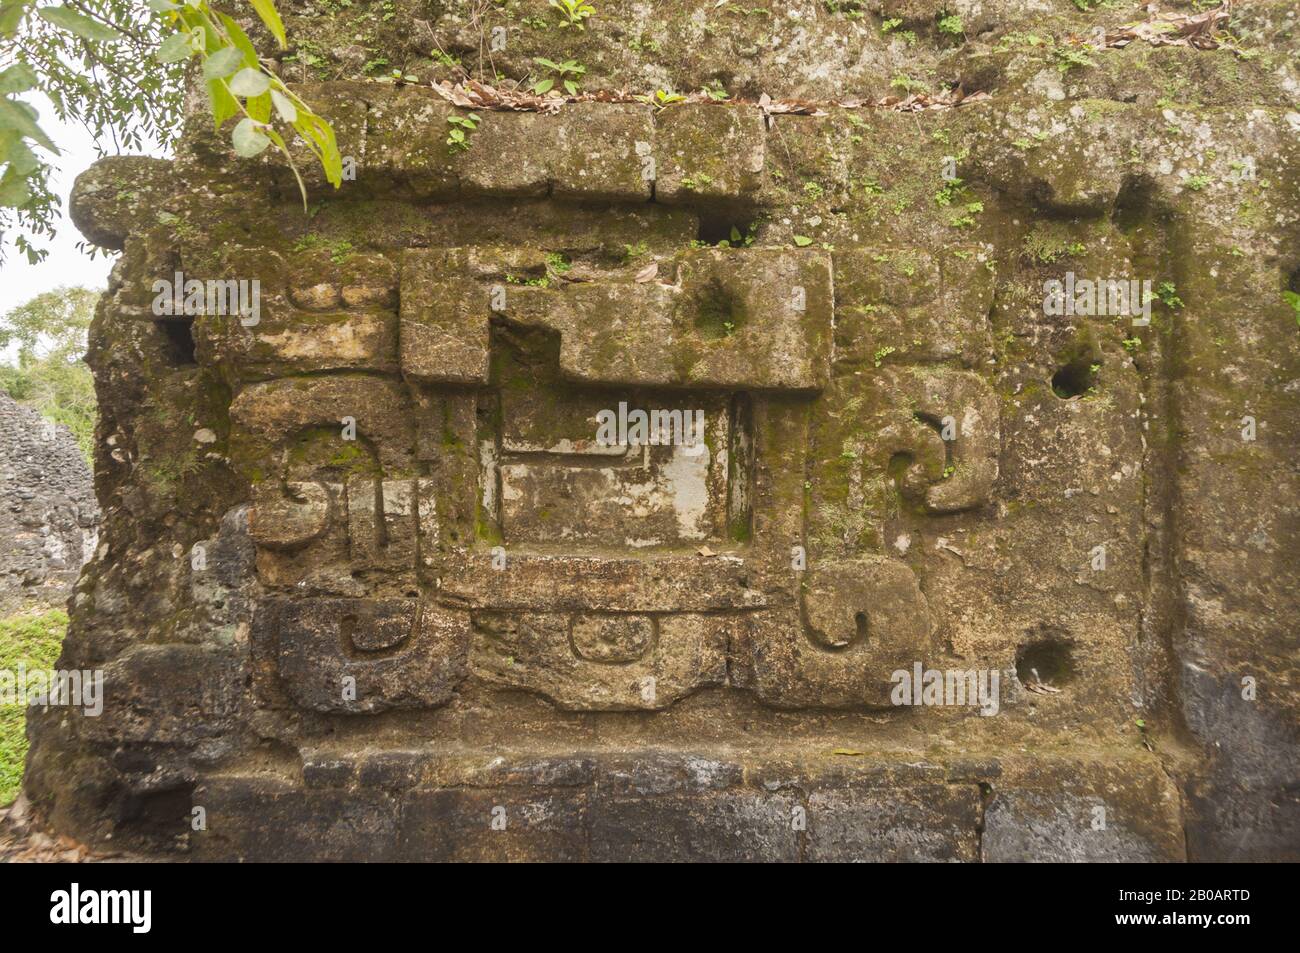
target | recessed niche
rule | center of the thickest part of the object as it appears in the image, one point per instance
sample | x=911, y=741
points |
x=860, y=621
x=1076, y=378
x=1046, y=662
x=178, y=342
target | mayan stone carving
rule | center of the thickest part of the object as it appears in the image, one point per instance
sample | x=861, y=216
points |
x=711, y=477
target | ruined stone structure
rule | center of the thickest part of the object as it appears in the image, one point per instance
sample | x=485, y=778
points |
x=48, y=514
x=371, y=587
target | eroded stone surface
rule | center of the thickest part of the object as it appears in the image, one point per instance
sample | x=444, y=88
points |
x=433, y=591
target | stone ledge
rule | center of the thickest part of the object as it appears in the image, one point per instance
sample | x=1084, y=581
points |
x=676, y=806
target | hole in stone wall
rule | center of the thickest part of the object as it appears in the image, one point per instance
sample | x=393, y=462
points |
x=860, y=620
x=1077, y=377
x=717, y=227
x=178, y=342
x=1046, y=661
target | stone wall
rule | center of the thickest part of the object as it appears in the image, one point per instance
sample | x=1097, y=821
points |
x=373, y=588
x=48, y=513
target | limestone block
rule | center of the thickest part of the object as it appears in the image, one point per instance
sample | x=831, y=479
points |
x=899, y=277
x=952, y=434
x=709, y=153
x=602, y=583
x=268, y=416
x=289, y=341
x=865, y=619
x=1085, y=811
x=1082, y=172
x=599, y=151
x=444, y=325
x=523, y=140
x=742, y=318
x=119, y=196
x=916, y=823
x=406, y=132
x=322, y=281
x=601, y=662
x=365, y=655
x=344, y=105
x=290, y=515
x=455, y=826
x=733, y=826
x=167, y=694
x=884, y=316
x=387, y=520
x=253, y=817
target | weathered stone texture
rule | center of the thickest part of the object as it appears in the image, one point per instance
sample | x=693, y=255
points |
x=48, y=515
x=442, y=618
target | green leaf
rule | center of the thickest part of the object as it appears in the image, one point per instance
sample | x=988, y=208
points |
x=803, y=241
x=241, y=40
x=248, y=140
x=160, y=6
x=1293, y=299
x=271, y=17
x=543, y=61
x=174, y=49
x=22, y=161
x=223, y=104
x=543, y=86
x=259, y=107
x=13, y=191
x=222, y=63
x=284, y=106
x=571, y=86
x=17, y=79
x=249, y=82
x=21, y=118
x=319, y=136
x=82, y=26
x=11, y=14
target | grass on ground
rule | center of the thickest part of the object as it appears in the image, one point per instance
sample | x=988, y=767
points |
x=32, y=639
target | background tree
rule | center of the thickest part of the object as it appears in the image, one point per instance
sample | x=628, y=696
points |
x=49, y=333
x=117, y=67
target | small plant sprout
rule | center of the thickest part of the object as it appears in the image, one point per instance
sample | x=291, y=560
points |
x=573, y=12
x=569, y=73
x=663, y=98
x=458, y=134
x=1168, y=294
x=715, y=91
x=1293, y=300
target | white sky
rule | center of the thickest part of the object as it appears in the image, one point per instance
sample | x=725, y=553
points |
x=65, y=265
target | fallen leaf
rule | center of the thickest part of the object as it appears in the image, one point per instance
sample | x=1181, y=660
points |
x=648, y=273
